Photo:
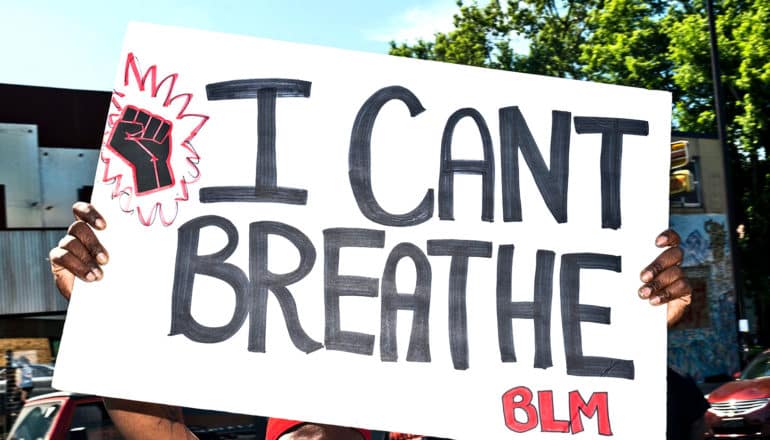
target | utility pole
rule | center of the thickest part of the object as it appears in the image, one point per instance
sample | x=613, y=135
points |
x=728, y=160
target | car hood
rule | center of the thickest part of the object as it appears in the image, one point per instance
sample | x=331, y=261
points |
x=742, y=390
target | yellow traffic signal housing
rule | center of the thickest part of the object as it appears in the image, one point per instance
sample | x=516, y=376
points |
x=680, y=182
x=680, y=155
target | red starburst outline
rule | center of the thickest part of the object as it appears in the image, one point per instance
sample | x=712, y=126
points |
x=149, y=82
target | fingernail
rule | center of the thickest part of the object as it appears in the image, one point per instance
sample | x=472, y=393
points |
x=655, y=301
x=100, y=224
x=90, y=276
x=97, y=273
x=101, y=258
x=646, y=276
x=645, y=292
x=661, y=240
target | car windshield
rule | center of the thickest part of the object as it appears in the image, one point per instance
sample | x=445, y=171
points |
x=34, y=422
x=759, y=367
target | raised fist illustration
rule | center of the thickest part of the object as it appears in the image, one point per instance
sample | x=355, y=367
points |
x=144, y=141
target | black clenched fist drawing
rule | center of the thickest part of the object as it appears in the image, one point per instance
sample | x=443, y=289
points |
x=144, y=141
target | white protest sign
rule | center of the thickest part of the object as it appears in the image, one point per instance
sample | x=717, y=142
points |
x=372, y=241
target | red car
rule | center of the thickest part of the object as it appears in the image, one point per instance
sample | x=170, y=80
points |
x=741, y=408
x=63, y=416
x=80, y=417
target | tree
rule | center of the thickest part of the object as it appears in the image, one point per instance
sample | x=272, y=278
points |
x=473, y=41
x=580, y=39
x=652, y=44
x=627, y=44
x=484, y=36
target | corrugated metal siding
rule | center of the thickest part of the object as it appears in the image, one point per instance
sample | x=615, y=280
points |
x=26, y=284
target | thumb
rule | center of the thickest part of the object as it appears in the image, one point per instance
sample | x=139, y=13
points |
x=65, y=280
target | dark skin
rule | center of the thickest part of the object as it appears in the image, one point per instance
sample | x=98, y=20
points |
x=80, y=255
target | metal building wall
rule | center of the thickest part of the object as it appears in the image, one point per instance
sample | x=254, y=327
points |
x=20, y=173
x=26, y=284
x=63, y=171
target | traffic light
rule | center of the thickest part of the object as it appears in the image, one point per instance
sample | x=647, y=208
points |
x=680, y=182
x=680, y=156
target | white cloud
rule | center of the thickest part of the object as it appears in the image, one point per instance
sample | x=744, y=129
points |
x=420, y=22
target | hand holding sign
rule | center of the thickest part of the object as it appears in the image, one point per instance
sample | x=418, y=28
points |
x=665, y=281
x=143, y=140
x=79, y=253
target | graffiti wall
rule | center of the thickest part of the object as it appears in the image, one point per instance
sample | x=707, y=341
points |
x=704, y=343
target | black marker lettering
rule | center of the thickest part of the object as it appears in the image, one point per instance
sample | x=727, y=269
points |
x=460, y=251
x=539, y=310
x=612, y=130
x=188, y=264
x=336, y=285
x=573, y=313
x=553, y=182
x=264, y=280
x=360, y=160
x=266, y=91
x=486, y=167
x=418, y=302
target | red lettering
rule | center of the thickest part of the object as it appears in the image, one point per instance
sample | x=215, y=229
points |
x=597, y=404
x=547, y=421
x=519, y=398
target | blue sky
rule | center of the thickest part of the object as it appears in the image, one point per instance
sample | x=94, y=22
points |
x=76, y=43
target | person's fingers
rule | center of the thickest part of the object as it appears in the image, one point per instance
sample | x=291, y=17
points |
x=665, y=281
x=78, y=250
x=661, y=282
x=86, y=212
x=668, y=237
x=668, y=258
x=79, y=254
x=676, y=290
x=85, y=235
x=670, y=284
